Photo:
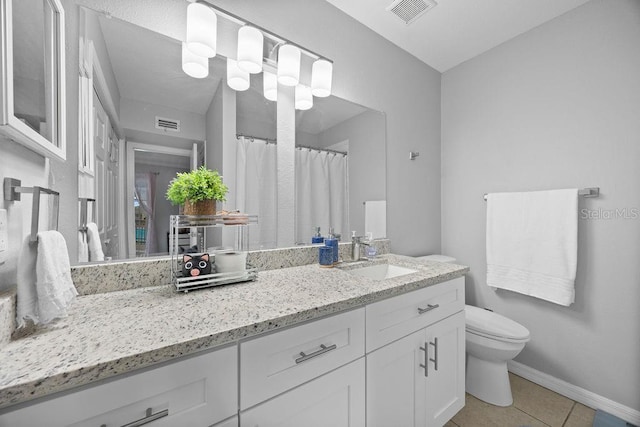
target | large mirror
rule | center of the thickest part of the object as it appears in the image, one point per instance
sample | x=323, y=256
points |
x=147, y=120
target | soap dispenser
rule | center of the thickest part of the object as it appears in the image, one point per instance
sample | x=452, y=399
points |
x=333, y=242
x=318, y=237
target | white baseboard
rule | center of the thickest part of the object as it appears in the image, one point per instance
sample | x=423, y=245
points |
x=576, y=393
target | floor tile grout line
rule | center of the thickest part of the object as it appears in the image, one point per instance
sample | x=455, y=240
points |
x=569, y=414
x=532, y=416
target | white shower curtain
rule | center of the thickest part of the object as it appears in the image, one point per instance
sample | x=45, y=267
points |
x=257, y=190
x=322, y=196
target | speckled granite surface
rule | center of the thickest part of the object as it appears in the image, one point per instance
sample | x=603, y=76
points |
x=141, y=273
x=112, y=333
x=7, y=316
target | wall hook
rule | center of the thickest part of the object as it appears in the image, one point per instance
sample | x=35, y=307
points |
x=413, y=155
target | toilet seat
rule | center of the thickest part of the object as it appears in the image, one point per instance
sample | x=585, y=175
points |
x=494, y=326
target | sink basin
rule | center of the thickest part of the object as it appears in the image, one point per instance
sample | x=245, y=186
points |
x=382, y=271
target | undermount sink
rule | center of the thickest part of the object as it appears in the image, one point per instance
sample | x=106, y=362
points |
x=382, y=271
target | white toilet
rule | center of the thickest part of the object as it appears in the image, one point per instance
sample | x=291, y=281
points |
x=491, y=340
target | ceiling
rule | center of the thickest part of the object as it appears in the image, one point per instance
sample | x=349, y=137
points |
x=455, y=31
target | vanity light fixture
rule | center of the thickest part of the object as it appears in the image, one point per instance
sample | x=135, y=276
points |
x=303, y=97
x=202, y=28
x=250, y=47
x=321, y=77
x=270, y=85
x=237, y=79
x=288, y=65
x=194, y=65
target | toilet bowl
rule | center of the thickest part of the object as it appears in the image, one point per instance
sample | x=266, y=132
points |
x=491, y=341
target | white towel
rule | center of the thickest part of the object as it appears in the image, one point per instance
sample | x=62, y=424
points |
x=53, y=272
x=83, y=247
x=45, y=289
x=375, y=218
x=532, y=243
x=27, y=297
x=95, y=246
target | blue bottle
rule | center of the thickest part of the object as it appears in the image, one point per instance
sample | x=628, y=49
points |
x=325, y=256
x=318, y=237
x=333, y=242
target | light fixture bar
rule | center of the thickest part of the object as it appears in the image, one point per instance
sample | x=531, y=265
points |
x=278, y=39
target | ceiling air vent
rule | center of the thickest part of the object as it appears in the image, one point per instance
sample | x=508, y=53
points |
x=410, y=10
x=167, y=124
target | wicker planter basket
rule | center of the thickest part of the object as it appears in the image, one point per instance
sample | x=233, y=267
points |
x=203, y=207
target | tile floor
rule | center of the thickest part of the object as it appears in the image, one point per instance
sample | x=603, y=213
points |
x=533, y=406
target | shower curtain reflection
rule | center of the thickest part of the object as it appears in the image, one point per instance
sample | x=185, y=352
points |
x=322, y=193
x=256, y=189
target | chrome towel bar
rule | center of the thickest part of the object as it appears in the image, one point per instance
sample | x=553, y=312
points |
x=12, y=192
x=584, y=192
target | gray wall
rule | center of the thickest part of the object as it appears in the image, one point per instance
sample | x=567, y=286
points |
x=371, y=71
x=365, y=133
x=557, y=107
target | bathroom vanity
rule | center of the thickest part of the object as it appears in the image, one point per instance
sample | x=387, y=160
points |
x=300, y=343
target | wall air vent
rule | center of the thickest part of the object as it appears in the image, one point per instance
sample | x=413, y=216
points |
x=410, y=10
x=167, y=124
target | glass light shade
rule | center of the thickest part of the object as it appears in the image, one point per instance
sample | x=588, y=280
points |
x=288, y=65
x=202, y=27
x=304, y=98
x=250, y=41
x=236, y=78
x=321, y=76
x=194, y=65
x=270, y=84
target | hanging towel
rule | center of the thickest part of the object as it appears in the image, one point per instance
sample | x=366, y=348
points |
x=45, y=289
x=54, y=286
x=375, y=218
x=27, y=297
x=83, y=247
x=95, y=246
x=532, y=243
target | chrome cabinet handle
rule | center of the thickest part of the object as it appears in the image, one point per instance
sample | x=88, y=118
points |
x=147, y=419
x=429, y=308
x=435, y=353
x=426, y=359
x=323, y=349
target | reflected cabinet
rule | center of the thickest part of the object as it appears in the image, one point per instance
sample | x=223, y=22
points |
x=32, y=111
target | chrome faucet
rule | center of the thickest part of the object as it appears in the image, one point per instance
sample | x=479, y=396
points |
x=356, y=243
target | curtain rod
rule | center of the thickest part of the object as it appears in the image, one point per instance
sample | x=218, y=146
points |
x=275, y=141
x=252, y=138
x=300, y=147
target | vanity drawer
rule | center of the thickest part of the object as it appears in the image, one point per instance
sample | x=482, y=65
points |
x=277, y=362
x=198, y=391
x=399, y=316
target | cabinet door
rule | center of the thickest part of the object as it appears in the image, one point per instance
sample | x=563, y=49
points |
x=336, y=399
x=445, y=369
x=396, y=386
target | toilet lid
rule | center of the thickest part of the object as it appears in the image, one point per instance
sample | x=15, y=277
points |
x=486, y=322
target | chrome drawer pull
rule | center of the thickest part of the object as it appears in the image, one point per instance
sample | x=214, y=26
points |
x=323, y=349
x=426, y=359
x=435, y=353
x=148, y=418
x=429, y=308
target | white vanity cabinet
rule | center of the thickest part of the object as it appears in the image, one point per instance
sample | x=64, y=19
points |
x=32, y=74
x=198, y=391
x=311, y=374
x=417, y=380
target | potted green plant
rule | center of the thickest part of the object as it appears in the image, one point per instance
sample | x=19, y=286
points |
x=198, y=190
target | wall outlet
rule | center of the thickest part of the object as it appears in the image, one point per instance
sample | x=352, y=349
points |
x=4, y=236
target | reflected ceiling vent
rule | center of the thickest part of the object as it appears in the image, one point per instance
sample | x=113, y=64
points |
x=167, y=124
x=410, y=10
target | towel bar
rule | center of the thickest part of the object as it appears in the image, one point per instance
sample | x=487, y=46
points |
x=584, y=192
x=12, y=192
x=83, y=213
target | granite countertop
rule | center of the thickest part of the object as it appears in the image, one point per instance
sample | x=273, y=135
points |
x=117, y=332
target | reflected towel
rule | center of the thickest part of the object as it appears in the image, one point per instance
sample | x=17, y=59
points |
x=532, y=243
x=83, y=247
x=375, y=218
x=95, y=246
